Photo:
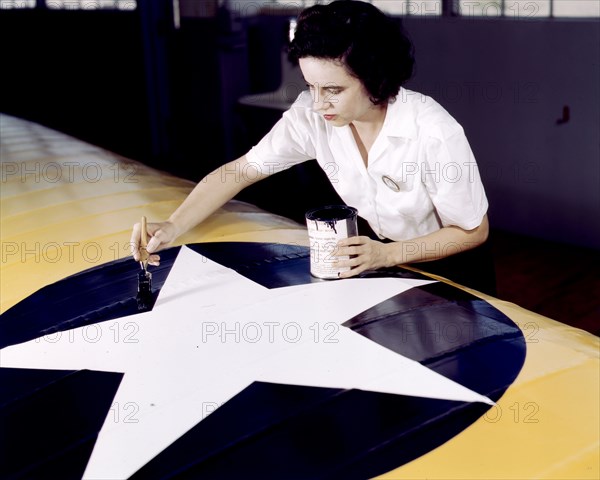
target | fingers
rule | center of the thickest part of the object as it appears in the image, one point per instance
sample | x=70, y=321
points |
x=158, y=238
x=351, y=273
x=352, y=246
x=356, y=268
x=348, y=251
x=154, y=243
x=161, y=236
x=347, y=248
x=154, y=260
x=359, y=254
x=346, y=242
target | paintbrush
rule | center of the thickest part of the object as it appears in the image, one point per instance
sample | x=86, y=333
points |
x=144, y=296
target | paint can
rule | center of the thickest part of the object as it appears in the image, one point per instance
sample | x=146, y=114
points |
x=326, y=226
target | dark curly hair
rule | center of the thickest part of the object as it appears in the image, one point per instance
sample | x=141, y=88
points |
x=371, y=45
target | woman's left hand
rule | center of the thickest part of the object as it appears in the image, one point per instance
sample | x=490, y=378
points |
x=368, y=255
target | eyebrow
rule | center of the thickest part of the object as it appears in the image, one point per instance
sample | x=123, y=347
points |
x=332, y=87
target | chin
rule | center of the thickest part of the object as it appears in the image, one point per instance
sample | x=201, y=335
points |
x=339, y=123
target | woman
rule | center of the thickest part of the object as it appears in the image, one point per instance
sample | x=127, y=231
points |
x=395, y=155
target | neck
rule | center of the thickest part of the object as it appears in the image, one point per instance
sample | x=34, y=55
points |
x=372, y=122
x=366, y=130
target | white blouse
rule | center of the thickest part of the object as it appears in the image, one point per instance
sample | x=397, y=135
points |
x=421, y=173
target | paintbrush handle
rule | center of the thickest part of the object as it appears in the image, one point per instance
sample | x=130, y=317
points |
x=144, y=242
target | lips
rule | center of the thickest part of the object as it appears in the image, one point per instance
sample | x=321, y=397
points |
x=329, y=117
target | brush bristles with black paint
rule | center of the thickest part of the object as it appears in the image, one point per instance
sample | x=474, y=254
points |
x=144, y=296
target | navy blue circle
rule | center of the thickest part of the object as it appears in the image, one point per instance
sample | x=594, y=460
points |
x=267, y=430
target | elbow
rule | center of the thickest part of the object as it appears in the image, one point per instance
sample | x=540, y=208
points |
x=481, y=233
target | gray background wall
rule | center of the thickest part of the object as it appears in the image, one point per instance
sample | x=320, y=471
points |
x=507, y=82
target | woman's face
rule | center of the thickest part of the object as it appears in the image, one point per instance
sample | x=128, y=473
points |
x=340, y=97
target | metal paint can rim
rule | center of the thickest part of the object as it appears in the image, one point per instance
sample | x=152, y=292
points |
x=345, y=213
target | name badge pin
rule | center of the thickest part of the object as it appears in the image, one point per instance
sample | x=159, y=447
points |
x=390, y=183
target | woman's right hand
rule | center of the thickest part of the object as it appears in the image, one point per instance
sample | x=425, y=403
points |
x=160, y=236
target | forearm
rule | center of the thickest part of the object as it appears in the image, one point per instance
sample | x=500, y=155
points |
x=367, y=254
x=212, y=192
x=440, y=244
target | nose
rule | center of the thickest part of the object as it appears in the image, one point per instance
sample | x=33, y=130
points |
x=320, y=101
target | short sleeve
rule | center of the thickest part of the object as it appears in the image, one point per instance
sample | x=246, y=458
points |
x=452, y=179
x=290, y=141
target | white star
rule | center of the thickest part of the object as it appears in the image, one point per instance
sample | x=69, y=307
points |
x=211, y=334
